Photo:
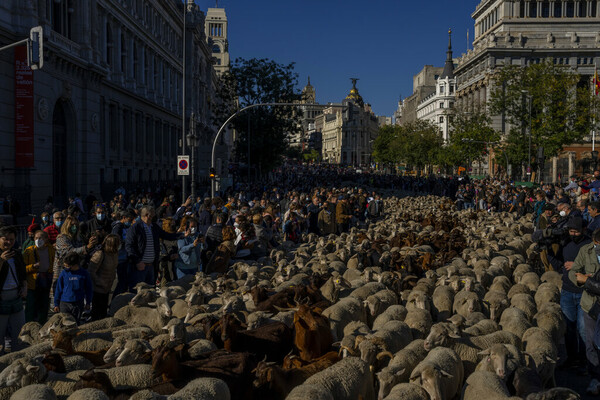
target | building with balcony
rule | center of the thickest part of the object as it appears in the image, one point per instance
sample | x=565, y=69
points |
x=106, y=109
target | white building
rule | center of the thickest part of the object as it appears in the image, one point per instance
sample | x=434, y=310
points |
x=216, y=31
x=437, y=106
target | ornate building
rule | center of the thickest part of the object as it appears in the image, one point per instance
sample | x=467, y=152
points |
x=216, y=31
x=437, y=105
x=424, y=85
x=525, y=32
x=106, y=109
x=348, y=133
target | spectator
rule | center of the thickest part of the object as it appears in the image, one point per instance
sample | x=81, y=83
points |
x=342, y=214
x=39, y=259
x=13, y=288
x=313, y=210
x=99, y=223
x=54, y=230
x=594, y=211
x=143, y=247
x=120, y=228
x=213, y=238
x=260, y=233
x=45, y=220
x=169, y=253
x=327, y=220
x=223, y=254
x=189, y=249
x=67, y=243
x=74, y=288
x=31, y=229
x=102, y=269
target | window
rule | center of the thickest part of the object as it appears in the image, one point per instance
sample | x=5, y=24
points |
x=128, y=131
x=593, y=9
x=570, y=9
x=441, y=120
x=139, y=133
x=61, y=16
x=216, y=48
x=149, y=136
x=135, y=61
x=157, y=138
x=109, y=45
x=441, y=104
x=123, y=54
x=558, y=9
x=545, y=9
x=146, y=67
x=532, y=9
x=114, y=127
x=522, y=9
x=583, y=8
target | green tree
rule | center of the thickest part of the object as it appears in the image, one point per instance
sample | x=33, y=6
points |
x=256, y=81
x=551, y=100
x=312, y=155
x=385, y=146
x=470, y=134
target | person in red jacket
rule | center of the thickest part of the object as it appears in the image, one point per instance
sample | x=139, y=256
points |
x=54, y=230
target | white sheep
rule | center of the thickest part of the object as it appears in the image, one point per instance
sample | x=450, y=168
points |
x=407, y=391
x=88, y=394
x=341, y=313
x=313, y=392
x=396, y=312
x=440, y=373
x=37, y=391
x=485, y=385
x=401, y=366
x=419, y=321
x=203, y=389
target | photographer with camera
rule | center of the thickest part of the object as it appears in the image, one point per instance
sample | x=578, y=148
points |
x=570, y=295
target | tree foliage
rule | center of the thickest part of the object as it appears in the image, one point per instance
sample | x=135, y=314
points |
x=560, y=104
x=417, y=144
x=469, y=138
x=256, y=81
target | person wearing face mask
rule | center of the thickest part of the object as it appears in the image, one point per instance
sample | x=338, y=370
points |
x=100, y=221
x=31, y=229
x=67, y=242
x=54, y=230
x=45, y=220
x=189, y=250
x=586, y=265
x=570, y=295
x=39, y=260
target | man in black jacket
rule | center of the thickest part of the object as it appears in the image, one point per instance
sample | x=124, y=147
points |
x=570, y=295
x=99, y=223
x=213, y=238
x=143, y=247
x=13, y=287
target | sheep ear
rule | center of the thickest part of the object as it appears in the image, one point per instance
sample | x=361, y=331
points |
x=336, y=344
x=445, y=374
x=69, y=322
x=549, y=359
x=486, y=302
x=415, y=375
x=454, y=334
x=484, y=352
x=504, y=302
x=401, y=372
x=32, y=368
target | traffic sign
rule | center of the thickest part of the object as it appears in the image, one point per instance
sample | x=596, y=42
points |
x=183, y=165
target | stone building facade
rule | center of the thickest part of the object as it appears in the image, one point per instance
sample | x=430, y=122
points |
x=348, y=131
x=107, y=105
x=437, y=106
x=216, y=27
x=424, y=85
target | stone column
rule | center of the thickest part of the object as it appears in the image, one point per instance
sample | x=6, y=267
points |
x=576, y=10
x=539, y=9
x=554, y=169
x=552, y=9
x=571, y=163
x=564, y=9
x=527, y=9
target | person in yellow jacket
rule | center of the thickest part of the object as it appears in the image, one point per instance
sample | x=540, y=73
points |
x=39, y=260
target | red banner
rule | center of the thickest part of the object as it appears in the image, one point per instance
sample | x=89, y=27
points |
x=23, y=110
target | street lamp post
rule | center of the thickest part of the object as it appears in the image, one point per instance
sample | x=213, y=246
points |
x=530, y=98
x=235, y=114
x=183, y=138
x=192, y=142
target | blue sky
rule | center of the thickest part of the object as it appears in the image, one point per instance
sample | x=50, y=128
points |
x=381, y=42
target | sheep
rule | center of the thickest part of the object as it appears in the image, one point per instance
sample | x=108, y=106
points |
x=30, y=333
x=400, y=366
x=26, y=353
x=407, y=391
x=88, y=394
x=483, y=327
x=555, y=394
x=201, y=347
x=516, y=289
x=38, y=391
x=379, y=302
x=154, y=318
x=418, y=299
x=131, y=376
x=347, y=379
x=440, y=373
x=502, y=359
x=552, y=322
x=339, y=314
x=521, y=270
x=531, y=280
x=203, y=389
x=135, y=351
x=525, y=303
x=484, y=385
x=547, y=293
x=501, y=284
x=553, y=278
x=468, y=348
x=393, y=337
x=465, y=303
x=367, y=290
x=119, y=302
x=396, y=312
x=306, y=391
x=76, y=362
x=419, y=321
x=106, y=323
x=514, y=320
x=495, y=303
x=57, y=322
x=442, y=298
x=539, y=344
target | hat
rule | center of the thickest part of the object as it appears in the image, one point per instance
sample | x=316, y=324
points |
x=575, y=223
x=33, y=228
x=548, y=207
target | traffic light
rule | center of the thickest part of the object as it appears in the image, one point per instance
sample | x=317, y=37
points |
x=212, y=173
x=36, y=48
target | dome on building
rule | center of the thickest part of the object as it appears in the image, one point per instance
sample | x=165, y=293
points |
x=354, y=95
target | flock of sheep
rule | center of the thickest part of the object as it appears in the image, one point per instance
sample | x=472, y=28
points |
x=427, y=303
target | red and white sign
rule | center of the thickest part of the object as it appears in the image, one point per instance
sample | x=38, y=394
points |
x=24, y=133
x=183, y=165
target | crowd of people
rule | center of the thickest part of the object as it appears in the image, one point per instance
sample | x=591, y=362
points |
x=75, y=260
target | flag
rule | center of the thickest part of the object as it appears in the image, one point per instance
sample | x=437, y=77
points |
x=596, y=83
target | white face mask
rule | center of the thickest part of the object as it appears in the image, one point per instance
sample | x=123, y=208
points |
x=39, y=243
x=193, y=231
x=563, y=213
x=235, y=224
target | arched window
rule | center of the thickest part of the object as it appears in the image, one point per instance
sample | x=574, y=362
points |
x=109, y=44
x=216, y=48
x=123, y=54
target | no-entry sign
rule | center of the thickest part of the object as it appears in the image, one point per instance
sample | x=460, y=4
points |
x=183, y=165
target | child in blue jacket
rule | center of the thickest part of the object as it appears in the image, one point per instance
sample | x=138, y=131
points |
x=74, y=285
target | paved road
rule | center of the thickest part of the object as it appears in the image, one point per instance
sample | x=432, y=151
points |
x=568, y=378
